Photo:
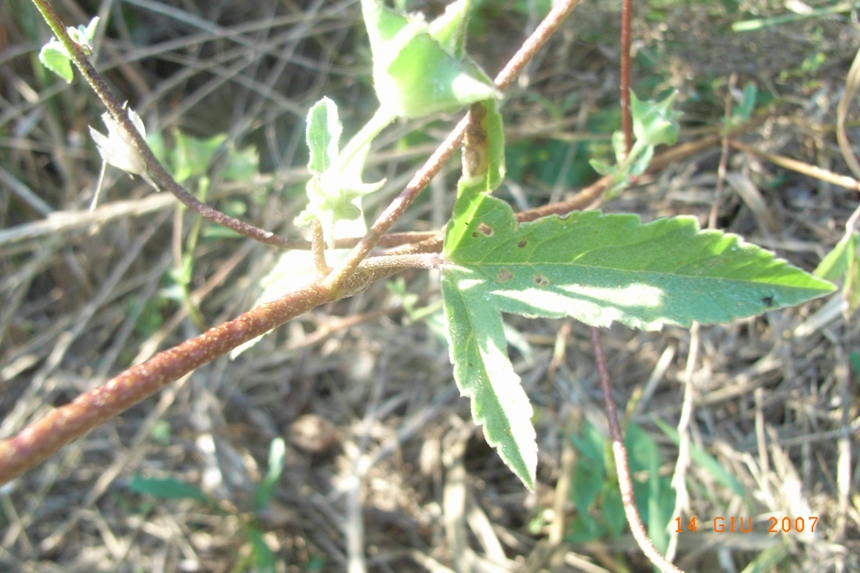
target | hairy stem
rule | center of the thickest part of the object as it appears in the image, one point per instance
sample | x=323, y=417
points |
x=44, y=437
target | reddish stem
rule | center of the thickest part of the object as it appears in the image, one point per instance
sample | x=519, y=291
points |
x=40, y=439
x=625, y=483
x=626, y=124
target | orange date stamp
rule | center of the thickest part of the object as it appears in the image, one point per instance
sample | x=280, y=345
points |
x=744, y=524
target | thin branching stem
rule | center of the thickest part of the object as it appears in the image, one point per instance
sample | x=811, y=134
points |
x=158, y=173
x=422, y=178
x=625, y=482
x=626, y=123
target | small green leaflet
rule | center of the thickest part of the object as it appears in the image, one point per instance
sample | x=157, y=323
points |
x=56, y=57
x=593, y=267
x=842, y=262
x=265, y=489
x=323, y=136
x=334, y=189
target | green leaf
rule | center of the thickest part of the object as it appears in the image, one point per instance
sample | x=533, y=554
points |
x=53, y=56
x=484, y=373
x=769, y=559
x=602, y=167
x=603, y=268
x=264, y=557
x=192, y=156
x=593, y=267
x=323, y=135
x=656, y=500
x=166, y=488
x=642, y=452
x=654, y=123
x=277, y=451
x=483, y=162
x=745, y=110
x=588, y=479
x=835, y=263
x=476, y=336
x=591, y=445
x=57, y=58
x=242, y=164
x=449, y=29
x=584, y=528
x=854, y=359
x=416, y=74
x=612, y=510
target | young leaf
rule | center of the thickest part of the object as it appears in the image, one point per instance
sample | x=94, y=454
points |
x=265, y=559
x=334, y=189
x=56, y=57
x=419, y=69
x=654, y=123
x=602, y=268
x=449, y=29
x=53, y=56
x=263, y=495
x=323, y=134
x=707, y=462
x=844, y=261
x=192, y=156
x=241, y=164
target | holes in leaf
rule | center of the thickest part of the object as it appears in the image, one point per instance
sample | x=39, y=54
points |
x=485, y=230
x=522, y=244
x=767, y=301
x=504, y=275
x=541, y=281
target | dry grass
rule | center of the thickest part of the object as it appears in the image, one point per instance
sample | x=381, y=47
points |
x=383, y=460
